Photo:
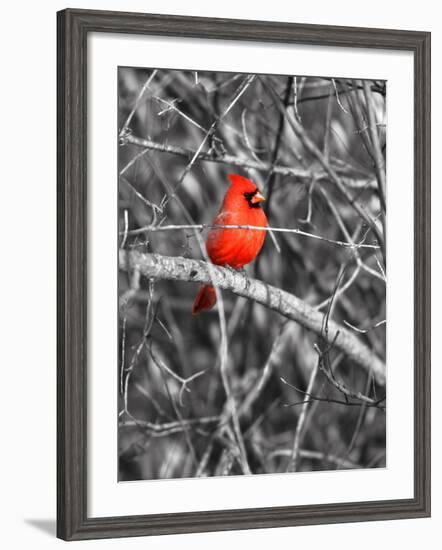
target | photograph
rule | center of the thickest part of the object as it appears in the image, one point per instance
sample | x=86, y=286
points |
x=252, y=273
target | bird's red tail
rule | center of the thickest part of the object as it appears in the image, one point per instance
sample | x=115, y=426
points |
x=205, y=299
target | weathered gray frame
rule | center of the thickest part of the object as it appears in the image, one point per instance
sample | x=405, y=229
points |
x=73, y=28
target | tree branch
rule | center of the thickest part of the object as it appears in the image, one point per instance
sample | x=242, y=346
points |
x=311, y=147
x=241, y=162
x=223, y=158
x=156, y=266
x=378, y=157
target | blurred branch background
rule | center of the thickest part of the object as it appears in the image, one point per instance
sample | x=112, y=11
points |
x=316, y=148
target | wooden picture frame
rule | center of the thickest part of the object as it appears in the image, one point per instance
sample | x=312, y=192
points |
x=73, y=29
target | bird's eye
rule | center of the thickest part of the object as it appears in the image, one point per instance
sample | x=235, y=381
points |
x=249, y=195
x=254, y=198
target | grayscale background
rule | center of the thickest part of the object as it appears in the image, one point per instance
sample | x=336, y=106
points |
x=299, y=405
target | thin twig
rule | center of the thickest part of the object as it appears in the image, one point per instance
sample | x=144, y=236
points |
x=183, y=381
x=211, y=131
x=167, y=428
x=295, y=97
x=347, y=235
x=146, y=85
x=365, y=330
x=341, y=289
x=361, y=417
x=273, y=360
x=337, y=97
x=293, y=464
x=172, y=107
x=313, y=149
x=180, y=419
x=312, y=398
x=148, y=322
x=126, y=228
x=123, y=355
x=246, y=136
x=202, y=226
x=378, y=157
x=340, y=386
x=314, y=455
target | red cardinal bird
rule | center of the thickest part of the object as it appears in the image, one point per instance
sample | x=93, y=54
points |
x=234, y=247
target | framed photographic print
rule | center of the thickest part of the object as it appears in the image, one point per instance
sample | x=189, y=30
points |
x=243, y=274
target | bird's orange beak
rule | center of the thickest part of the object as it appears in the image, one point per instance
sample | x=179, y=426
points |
x=257, y=197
